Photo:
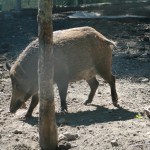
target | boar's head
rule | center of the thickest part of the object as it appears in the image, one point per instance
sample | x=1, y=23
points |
x=22, y=88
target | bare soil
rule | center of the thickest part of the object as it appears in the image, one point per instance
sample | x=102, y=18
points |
x=99, y=126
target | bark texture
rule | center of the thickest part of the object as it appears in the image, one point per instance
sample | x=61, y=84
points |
x=47, y=121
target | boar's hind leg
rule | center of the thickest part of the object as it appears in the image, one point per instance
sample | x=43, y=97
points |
x=93, y=83
x=33, y=104
x=111, y=80
x=113, y=91
x=62, y=88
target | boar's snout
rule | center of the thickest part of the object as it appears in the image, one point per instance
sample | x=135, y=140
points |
x=15, y=106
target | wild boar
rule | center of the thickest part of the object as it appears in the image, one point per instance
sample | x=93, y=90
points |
x=79, y=53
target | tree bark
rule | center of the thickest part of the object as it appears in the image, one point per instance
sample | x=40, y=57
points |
x=47, y=121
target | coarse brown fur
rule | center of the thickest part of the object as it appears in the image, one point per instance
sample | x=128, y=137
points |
x=79, y=53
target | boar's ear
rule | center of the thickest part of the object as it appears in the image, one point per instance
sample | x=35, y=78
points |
x=8, y=66
x=23, y=75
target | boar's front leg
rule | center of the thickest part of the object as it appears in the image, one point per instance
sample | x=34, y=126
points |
x=62, y=88
x=93, y=83
x=34, y=102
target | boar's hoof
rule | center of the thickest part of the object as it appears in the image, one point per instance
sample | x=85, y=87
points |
x=87, y=102
x=116, y=104
x=28, y=115
x=63, y=112
x=64, y=109
x=24, y=106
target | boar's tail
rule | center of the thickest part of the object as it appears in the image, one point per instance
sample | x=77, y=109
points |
x=110, y=42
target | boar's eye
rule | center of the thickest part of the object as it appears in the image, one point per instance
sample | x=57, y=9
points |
x=16, y=86
x=19, y=88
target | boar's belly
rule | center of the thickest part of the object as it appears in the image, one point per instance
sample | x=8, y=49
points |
x=84, y=75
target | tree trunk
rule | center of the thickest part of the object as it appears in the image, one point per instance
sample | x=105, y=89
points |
x=47, y=121
x=18, y=5
x=84, y=1
x=75, y=3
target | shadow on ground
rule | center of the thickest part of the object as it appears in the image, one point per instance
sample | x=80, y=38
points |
x=99, y=115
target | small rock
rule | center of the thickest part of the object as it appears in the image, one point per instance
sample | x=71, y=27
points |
x=102, y=126
x=144, y=55
x=114, y=143
x=78, y=127
x=90, y=130
x=63, y=145
x=17, y=140
x=146, y=39
x=62, y=137
x=68, y=145
x=61, y=128
x=72, y=86
x=71, y=136
x=17, y=132
x=74, y=99
x=0, y=136
x=1, y=65
x=99, y=92
x=144, y=80
x=2, y=122
x=9, y=135
x=147, y=29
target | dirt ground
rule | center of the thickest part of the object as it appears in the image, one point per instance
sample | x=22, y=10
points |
x=99, y=126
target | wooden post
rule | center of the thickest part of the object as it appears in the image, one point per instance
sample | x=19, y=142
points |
x=47, y=121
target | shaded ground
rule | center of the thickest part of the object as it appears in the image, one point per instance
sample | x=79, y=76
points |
x=99, y=126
